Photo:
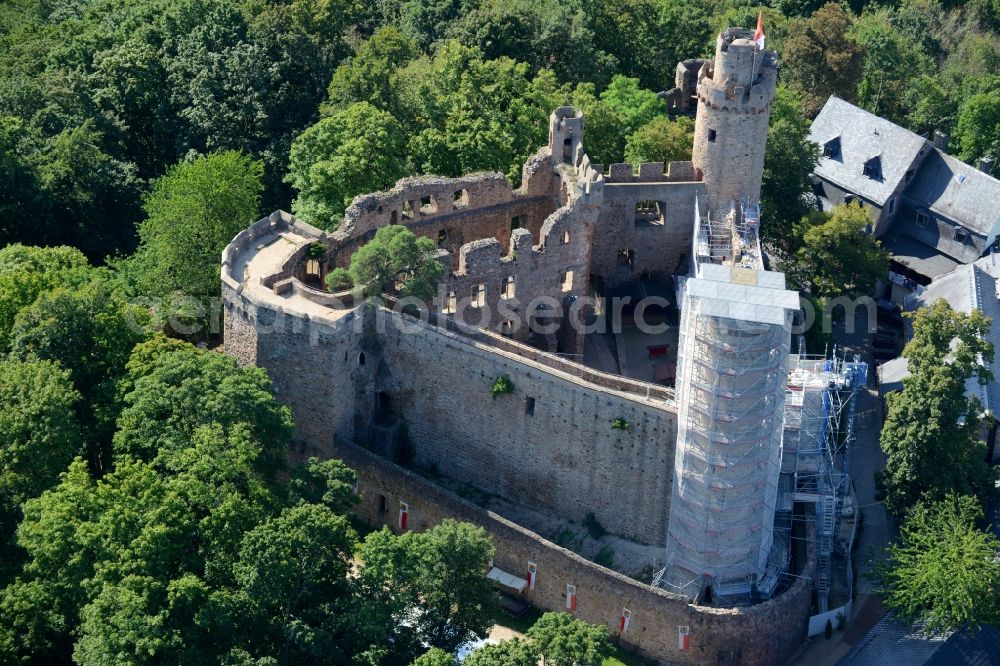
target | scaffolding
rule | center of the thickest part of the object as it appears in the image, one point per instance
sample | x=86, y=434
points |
x=819, y=429
x=732, y=370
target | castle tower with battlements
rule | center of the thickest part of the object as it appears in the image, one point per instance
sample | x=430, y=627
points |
x=735, y=91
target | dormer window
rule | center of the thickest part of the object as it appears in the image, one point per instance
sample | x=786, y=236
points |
x=873, y=168
x=923, y=220
x=831, y=148
x=961, y=234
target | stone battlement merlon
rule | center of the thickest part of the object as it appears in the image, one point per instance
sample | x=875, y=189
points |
x=650, y=172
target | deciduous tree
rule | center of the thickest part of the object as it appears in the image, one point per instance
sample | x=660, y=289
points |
x=931, y=433
x=838, y=256
x=39, y=435
x=183, y=390
x=821, y=58
x=513, y=652
x=944, y=572
x=789, y=161
x=661, y=140
x=354, y=150
x=564, y=640
x=192, y=213
x=396, y=260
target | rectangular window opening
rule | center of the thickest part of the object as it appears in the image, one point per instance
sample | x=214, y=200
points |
x=567, y=281
x=450, y=303
x=460, y=199
x=649, y=212
x=507, y=326
x=509, y=287
x=711, y=135
x=408, y=209
x=515, y=222
x=427, y=205
x=479, y=296
x=381, y=504
x=626, y=257
x=529, y=406
x=442, y=237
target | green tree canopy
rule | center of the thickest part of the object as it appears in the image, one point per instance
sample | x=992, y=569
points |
x=514, y=652
x=327, y=482
x=352, y=151
x=372, y=74
x=604, y=138
x=789, y=161
x=838, y=256
x=563, y=640
x=944, y=572
x=978, y=122
x=821, y=58
x=28, y=272
x=435, y=657
x=292, y=576
x=39, y=435
x=396, y=257
x=90, y=331
x=192, y=213
x=182, y=390
x=930, y=435
x=635, y=105
x=469, y=114
x=661, y=140
x=435, y=579
x=892, y=61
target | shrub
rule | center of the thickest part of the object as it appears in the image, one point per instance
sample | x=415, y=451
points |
x=501, y=385
x=619, y=424
x=339, y=279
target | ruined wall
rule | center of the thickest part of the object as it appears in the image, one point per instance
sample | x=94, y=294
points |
x=450, y=211
x=502, y=248
x=629, y=244
x=765, y=634
x=549, y=445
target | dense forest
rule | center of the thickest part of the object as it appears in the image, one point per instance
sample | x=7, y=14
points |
x=147, y=512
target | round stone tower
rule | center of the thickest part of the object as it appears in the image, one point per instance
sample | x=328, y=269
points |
x=734, y=104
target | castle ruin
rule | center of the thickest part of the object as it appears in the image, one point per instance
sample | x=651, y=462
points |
x=698, y=473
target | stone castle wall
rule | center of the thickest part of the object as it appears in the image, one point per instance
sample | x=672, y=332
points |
x=768, y=633
x=631, y=241
x=549, y=445
x=502, y=248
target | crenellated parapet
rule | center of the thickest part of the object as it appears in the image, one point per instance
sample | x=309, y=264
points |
x=735, y=91
x=651, y=172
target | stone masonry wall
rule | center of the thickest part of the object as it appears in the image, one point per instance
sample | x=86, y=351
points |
x=768, y=633
x=549, y=445
x=659, y=246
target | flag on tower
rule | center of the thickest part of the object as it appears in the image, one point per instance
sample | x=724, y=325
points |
x=759, y=35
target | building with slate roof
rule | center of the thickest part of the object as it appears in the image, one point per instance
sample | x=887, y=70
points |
x=969, y=287
x=932, y=211
x=893, y=642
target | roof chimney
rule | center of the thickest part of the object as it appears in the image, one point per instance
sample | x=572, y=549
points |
x=940, y=140
x=985, y=164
